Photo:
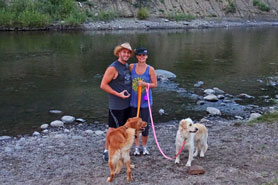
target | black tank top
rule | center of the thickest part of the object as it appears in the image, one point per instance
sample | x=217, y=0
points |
x=122, y=82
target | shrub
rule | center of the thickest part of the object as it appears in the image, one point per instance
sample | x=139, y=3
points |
x=76, y=18
x=29, y=18
x=261, y=6
x=181, y=17
x=38, y=13
x=143, y=13
x=18, y=6
x=105, y=15
x=3, y=4
x=231, y=8
x=6, y=18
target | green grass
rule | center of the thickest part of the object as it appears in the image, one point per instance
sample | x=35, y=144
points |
x=268, y=118
x=273, y=182
x=181, y=17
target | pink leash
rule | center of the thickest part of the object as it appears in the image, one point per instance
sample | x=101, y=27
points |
x=154, y=134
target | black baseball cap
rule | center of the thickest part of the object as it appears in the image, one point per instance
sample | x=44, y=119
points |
x=141, y=51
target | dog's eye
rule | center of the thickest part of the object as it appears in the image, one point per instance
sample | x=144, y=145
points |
x=190, y=125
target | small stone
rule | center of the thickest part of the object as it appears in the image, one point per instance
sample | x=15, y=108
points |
x=44, y=126
x=213, y=111
x=196, y=170
x=254, y=116
x=68, y=119
x=99, y=132
x=89, y=132
x=36, y=133
x=80, y=120
x=239, y=117
x=5, y=138
x=55, y=112
x=209, y=91
x=57, y=123
x=211, y=97
x=45, y=131
x=161, y=111
x=218, y=91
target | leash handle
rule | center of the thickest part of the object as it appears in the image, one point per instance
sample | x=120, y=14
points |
x=139, y=100
x=154, y=134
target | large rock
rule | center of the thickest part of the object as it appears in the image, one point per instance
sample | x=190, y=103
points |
x=213, y=111
x=163, y=74
x=211, y=97
x=254, y=116
x=244, y=95
x=218, y=91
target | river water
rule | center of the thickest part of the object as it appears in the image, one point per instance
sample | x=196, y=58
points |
x=42, y=71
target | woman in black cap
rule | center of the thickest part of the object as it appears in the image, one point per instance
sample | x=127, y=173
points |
x=142, y=75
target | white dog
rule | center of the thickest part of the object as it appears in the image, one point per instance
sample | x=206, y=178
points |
x=193, y=135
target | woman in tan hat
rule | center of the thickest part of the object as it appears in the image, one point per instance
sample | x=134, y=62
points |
x=116, y=82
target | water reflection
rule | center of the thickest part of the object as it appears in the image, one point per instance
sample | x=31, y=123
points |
x=40, y=71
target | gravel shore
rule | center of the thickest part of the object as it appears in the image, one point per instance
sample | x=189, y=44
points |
x=134, y=24
x=152, y=23
x=237, y=154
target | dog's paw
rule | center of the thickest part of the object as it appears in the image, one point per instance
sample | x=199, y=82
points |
x=195, y=154
x=129, y=179
x=109, y=179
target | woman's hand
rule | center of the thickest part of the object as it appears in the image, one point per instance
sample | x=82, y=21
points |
x=141, y=83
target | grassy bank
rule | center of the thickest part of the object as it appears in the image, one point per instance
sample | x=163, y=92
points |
x=40, y=13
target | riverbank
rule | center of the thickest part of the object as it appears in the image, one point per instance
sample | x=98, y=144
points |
x=237, y=154
x=154, y=23
x=130, y=24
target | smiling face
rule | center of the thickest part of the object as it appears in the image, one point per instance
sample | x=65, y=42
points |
x=124, y=55
x=142, y=58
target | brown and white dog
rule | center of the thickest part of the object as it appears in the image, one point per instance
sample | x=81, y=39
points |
x=120, y=141
x=195, y=136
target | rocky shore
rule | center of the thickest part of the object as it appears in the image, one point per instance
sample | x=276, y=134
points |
x=131, y=24
x=238, y=154
x=154, y=24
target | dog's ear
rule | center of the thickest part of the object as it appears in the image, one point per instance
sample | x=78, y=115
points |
x=183, y=124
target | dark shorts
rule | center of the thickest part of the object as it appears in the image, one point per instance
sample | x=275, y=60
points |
x=117, y=118
x=145, y=115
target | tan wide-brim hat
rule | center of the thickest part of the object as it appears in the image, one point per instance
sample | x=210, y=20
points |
x=125, y=45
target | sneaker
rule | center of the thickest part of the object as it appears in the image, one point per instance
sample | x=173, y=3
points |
x=105, y=156
x=145, y=151
x=136, y=151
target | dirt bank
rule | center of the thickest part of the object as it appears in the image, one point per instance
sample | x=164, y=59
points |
x=238, y=154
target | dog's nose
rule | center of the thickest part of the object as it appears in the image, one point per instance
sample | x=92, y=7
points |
x=196, y=129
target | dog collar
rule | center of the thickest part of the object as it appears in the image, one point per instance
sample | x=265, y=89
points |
x=125, y=127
